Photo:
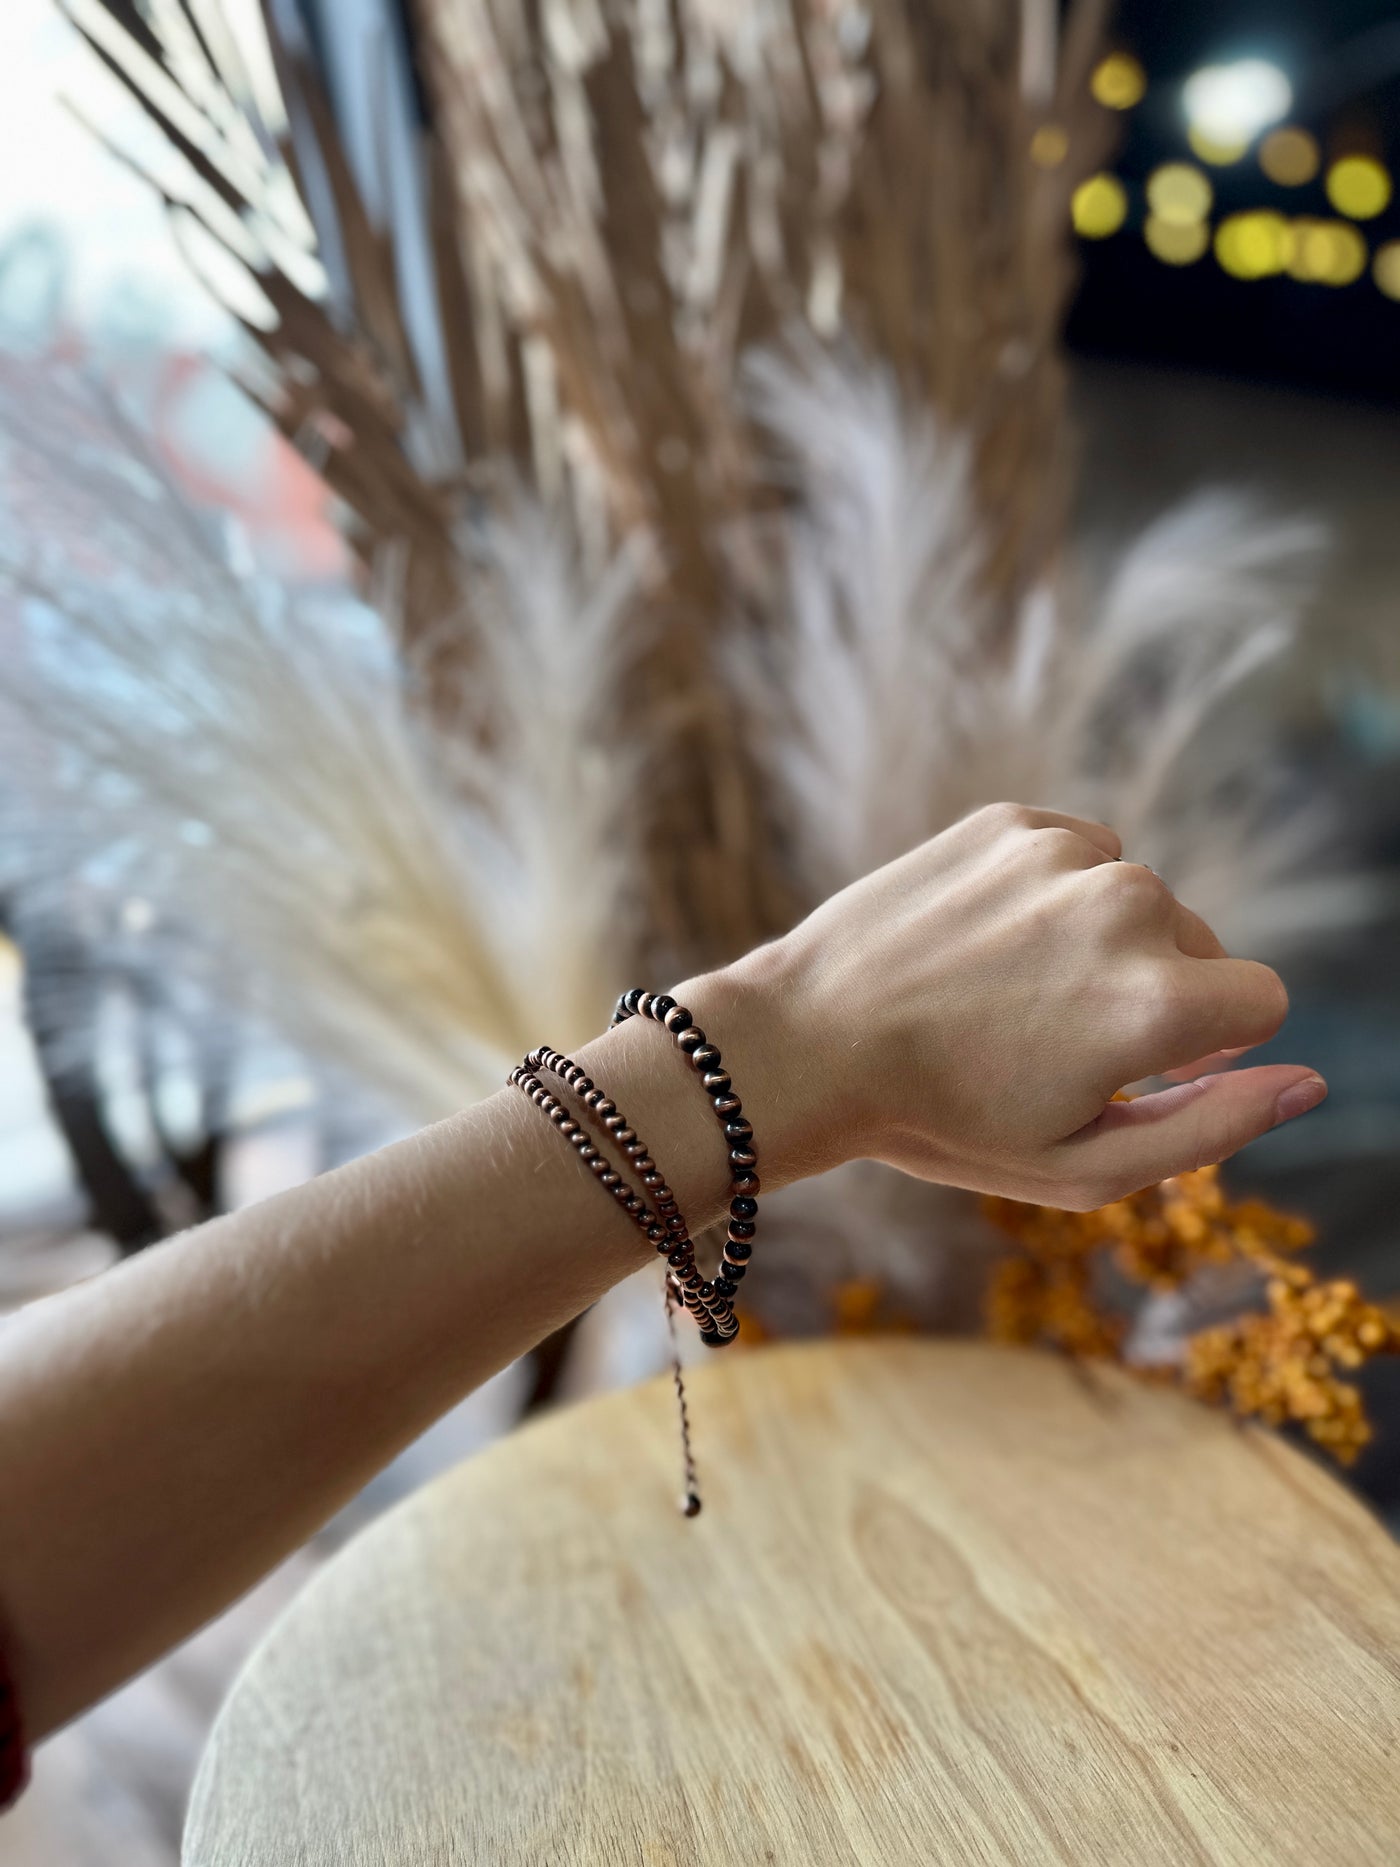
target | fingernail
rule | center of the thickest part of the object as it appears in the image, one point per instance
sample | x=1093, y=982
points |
x=1298, y=1098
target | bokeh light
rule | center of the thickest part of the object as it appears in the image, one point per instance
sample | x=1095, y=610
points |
x=1326, y=252
x=1178, y=192
x=1119, y=81
x=1253, y=245
x=1289, y=157
x=1358, y=186
x=1176, y=243
x=1049, y=146
x=1218, y=154
x=1385, y=268
x=1099, y=206
x=1232, y=103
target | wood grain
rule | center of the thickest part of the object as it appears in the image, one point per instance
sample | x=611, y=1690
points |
x=946, y=1604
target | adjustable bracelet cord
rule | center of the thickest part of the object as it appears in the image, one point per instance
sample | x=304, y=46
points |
x=709, y=1301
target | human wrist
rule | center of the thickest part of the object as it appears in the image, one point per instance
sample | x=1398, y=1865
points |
x=755, y=1009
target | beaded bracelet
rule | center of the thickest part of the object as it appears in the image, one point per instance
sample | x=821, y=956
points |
x=662, y=1009
x=666, y=1227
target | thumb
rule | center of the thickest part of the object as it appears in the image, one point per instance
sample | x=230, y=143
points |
x=1134, y=1144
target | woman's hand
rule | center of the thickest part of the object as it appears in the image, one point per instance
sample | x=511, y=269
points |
x=968, y=1012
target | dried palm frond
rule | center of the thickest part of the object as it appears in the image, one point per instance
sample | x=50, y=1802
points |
x=245, y=768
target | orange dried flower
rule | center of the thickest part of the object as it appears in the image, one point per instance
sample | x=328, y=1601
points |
x=1282, y=1367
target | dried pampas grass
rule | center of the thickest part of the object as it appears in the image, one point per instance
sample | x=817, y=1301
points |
x=234, y=774
x=892, y=706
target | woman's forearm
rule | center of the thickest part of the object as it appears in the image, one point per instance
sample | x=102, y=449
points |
x=175, y=1427
x=171, y=1430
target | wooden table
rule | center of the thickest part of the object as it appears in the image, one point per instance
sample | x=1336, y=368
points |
x=946, y=1604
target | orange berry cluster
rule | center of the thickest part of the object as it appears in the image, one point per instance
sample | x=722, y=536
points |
x=1283, y=1366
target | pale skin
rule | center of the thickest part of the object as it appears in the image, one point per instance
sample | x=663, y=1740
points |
x=172, y=1429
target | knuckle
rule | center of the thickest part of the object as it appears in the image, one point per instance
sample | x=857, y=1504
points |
x=1005, y=816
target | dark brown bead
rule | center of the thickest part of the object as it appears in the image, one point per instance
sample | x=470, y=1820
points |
x=614, y=1121
x=747, y=1181
x=678, y=1260
x=690, y=1039
x=737, y=1129
x=632, y=1203
x=711, y=1337
x=735, y=1272
x=675, y=1222
x=600, y=1166
x=661, y=1005
x=626, y=1135
x=706, y=1057
x=651, y=1177
x=743, y=1207
x=628, y=1001
x=742, y=1157
x=604, y=1107
x=727, y=1107
x=677, y=1018
x=742, y=1228
x=645, y=1164
x=727, y=1288
x=666, y=1205
x=717, y=1083
x=737, y=1250
x=654, y=1230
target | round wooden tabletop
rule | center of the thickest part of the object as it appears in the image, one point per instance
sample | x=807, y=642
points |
x=946, y=1604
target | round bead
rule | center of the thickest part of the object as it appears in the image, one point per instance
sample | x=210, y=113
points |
x=651, y=1177
x=746, y=1181
x=629, y=999
x=588, y=1152
x=690, y=1505
x=604, y=1107
x=661, y=1005
x=706, y=1057
x=632, y=1203
x=735, y=1272
x=626, y=1135
x=737, y=1129
x=614, y=1121
x=677, y=1018
x=655, y=1231
x=737, y=1250
x=742, y=1157
x=678, y=1260
x=675, y=1222
x=742, y=1228
x=707, y=1290
x=690, y=1039
x=727, y=1106
x=599, y=1165
x=727, y=1288
x=743, y=1207
x=716, y=1082
x=711, y=1337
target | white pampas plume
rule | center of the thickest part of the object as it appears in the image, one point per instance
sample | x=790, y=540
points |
x=242, y=761
x=894, y=701
x=881, y=612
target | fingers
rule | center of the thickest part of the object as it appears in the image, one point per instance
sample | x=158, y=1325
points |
x=1206, y=1066
x=1098, y=834
x=1193, y=936
x=1185, y=1010
x=1134, y=1144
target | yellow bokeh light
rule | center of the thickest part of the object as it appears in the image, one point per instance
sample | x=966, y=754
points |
x=1385, y=268
x=1176, y=243
x=1358, y=186
x=1289, y=157
x=1212, y=149
x=1099, y=206
x=1254, y=245
x=1179, y=192
x=1049, y=146
x=1119, y=81
x=1326, y=252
